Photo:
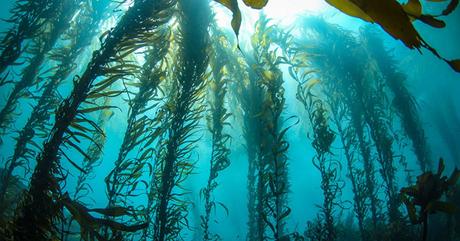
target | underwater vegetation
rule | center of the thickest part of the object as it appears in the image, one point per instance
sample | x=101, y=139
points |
x=427, y=193
x=217, y=121
x=122, y=116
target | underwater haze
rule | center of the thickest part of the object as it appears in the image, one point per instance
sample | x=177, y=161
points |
x=319, y=120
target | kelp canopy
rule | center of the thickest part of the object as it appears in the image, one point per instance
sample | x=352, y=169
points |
x=161, y=120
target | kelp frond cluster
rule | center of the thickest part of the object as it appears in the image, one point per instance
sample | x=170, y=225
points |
x=128, y=99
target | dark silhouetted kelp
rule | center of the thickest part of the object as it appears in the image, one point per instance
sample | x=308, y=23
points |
x=272, y=169
x=217, y=121
x=141, y=19
x=183, y=109
x=324, y=228
x=37, y=123
x=41, y=46
x=165, y=97
x=28, y=18
x=403, y=101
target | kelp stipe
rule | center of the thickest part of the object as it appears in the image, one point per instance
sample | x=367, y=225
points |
x=366, y=101
x=324, y=228
x=89, y=164
x=135, y=153
x=249, y=96
x=301, y=71
x=217, y=121
x=182, y=113
x=37, y=125
x=403, y=100
x=28, y=18
x=43, y=193
x=272, y=174
x=261, y=101
x=41, y=46
x=340, y=80
x=303, y=68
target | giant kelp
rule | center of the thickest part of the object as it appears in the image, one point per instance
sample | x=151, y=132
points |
x=261, y=100
x=249, y=96
x=323, y=137
x=28, y=19
x=331, y=185
x=309, y=67
x=43, y=193
x=90, y=162
x=394, y=17
x=302, y=72
x=41, y=46
x=123, y=179
x=403, y=101
x=360, y=89
x=173, y=69
x=272, y=169
x=37, y=124
x=217, y=121
x=182, y=112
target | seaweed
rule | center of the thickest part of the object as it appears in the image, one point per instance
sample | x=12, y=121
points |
x=123, y=180
x=249, y=96
x=363, y=93
x=217, y=120
x=427, y=194
x=28, y=19
x=181, y=113
x=174, y=70
x=43, y=193
x=303, y=59
x=355, y=174
x=322, y=140
x=42, y=45
x=37, y=123
x=261, y=102
x=403, y=100
x=272, y=169
x=394, y=17
x=91, y=161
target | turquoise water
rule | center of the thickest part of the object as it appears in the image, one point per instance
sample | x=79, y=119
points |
x=185, y=83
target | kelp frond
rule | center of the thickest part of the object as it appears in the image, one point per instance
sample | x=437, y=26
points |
x=217, y=120
x=322, y=140
x=42, y=45
x=130, y=34
x=37, y=125
x=183, y=110
x=28, y=19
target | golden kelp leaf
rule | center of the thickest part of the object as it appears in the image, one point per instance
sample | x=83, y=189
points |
x=268, y=75
x=232, y=5
x=391, y=16
x=413, y=8
x=350, y=8
x=312, y=83
x=257, y=4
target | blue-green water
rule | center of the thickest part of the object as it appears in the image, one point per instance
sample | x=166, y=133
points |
x=432, y=86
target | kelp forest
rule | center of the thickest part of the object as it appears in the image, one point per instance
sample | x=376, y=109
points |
x=255, y=120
